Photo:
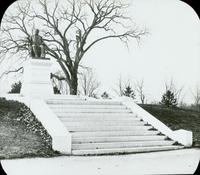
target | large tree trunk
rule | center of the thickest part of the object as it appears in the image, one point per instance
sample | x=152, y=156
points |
x=73, y=84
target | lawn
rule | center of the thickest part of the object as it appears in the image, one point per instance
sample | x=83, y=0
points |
x=21, y=135
x=176, y=118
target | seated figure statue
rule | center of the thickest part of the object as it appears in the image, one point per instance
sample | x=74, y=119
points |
x=37, y=46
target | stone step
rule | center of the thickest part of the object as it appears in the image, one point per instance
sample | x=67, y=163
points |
x=89, y=110
x=107, y=128
x=83, y=102
x=97, y=115
x=65, y=97
x=114, y=133
x=109, y=145
x=99, y=119
x=86, y=106
x=116, y=139
x=65, y=101
x=124, y=150
x=98, y=123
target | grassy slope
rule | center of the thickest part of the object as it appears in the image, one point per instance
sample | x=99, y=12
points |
x=177, y=119
x=17, y=140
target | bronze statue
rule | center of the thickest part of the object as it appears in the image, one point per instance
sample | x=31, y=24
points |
x=37, y=46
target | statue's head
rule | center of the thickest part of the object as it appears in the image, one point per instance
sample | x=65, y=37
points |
x=37, y=31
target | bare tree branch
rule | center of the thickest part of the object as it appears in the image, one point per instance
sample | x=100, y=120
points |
x=12, y=71
x=88, y=83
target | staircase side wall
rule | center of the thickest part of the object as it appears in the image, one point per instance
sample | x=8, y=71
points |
x=61, y=138
x=183, y=137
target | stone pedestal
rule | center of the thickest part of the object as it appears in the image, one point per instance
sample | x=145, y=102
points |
x=36, y=78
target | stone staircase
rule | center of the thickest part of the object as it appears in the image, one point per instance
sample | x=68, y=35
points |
x=107, y=127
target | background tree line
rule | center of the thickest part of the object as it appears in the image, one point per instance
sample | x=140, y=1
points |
x=172, y=96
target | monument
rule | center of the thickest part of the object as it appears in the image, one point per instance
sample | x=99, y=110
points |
x=36, y=75
x=37, y=46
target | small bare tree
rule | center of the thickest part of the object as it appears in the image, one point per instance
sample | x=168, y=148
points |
x=124, y=88
x=173, y=91
x=88, y=83
x=196, y=97
x=139, y=86
x=119, y=90
x=70, y=28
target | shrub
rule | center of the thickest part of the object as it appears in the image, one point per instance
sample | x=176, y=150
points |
x=105, y=95
x=168, y=99
x=128, y=91
x=16, y=87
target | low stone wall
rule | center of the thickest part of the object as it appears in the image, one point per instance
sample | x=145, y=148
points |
x=61, y=138
x=181, y=136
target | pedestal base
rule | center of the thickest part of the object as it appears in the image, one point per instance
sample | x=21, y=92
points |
x=36, y=78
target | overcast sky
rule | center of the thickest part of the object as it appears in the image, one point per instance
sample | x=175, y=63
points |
x=170, y=50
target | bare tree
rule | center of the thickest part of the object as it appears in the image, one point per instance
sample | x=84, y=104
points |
x=196, y=97
x=121, y=84
x=69, y=29
x=139, y=86
x=88, y=83
x=177, y=92
x=124, y=88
